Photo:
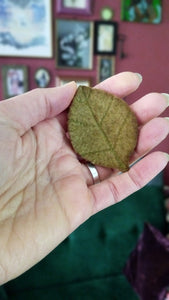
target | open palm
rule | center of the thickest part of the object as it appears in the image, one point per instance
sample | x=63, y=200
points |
x=45, y=192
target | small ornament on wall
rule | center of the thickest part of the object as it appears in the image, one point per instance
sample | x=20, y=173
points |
x=42, y=77
x=107, y=13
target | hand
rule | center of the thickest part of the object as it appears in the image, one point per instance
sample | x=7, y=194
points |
x=45, y=192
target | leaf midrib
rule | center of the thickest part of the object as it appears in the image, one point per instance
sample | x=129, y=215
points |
x=104, y=134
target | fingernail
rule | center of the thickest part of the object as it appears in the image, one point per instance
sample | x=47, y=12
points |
x=167, y=97
x=69, y=83
x=139, y=76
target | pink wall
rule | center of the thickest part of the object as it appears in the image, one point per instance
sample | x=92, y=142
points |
x=146, y=47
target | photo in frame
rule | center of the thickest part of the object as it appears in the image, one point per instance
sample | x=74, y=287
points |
x=106, y=67
x=74, y=44
x=142, y=11
x=26, y=28
x=42, y=77
x=79, y=81
x=79, y=7
x=14, y=80
x=105, y=33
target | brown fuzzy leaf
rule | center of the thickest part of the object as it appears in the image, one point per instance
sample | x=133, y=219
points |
x=102, y=128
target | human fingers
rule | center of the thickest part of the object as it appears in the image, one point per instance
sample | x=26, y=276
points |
x=121, y=84
x=150, y=135
x=116, y=188
x=29, y=109
x=150, y=106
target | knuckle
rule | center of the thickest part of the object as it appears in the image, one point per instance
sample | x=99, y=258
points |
x=114, y=191
x=135, y=178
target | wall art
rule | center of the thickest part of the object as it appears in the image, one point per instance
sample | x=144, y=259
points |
x=105, y=35
x=42, y=77
x=74, y=44
x=14, y=79
x=144, y=11
x=79, y=80
x=106, y=67
x=25, y=28
x=79, y=7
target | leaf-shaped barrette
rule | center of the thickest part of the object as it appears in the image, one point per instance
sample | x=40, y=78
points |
x=102, y=128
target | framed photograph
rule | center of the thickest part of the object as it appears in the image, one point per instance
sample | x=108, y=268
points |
x=79, y=81
x=106, y=67
x=26, y=28
x=79, y=7
x=15, y=80
x=74, y=44
x=143, y=11
x=42, y=77
x=105, y=38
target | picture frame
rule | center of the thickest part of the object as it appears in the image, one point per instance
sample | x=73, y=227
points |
x=142, y=11
x=14, y=80
x=74, y=44
x=26, y=29
x=42, y=77
x=79, y=80
x=105, y=33
x=77, y=7
x=105, y=67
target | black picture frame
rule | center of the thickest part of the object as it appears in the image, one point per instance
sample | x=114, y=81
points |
x=105, y=37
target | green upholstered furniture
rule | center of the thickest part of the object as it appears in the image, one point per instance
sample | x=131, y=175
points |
x=89, y=263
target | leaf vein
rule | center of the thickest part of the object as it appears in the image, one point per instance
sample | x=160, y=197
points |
x=106, y=112
x=118, y=159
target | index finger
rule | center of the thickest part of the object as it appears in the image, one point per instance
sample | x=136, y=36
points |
x=121, y=84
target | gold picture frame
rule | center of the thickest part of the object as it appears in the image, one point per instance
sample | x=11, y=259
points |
x=74, y=44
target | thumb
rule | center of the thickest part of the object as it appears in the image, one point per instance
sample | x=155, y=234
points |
x=28, y=109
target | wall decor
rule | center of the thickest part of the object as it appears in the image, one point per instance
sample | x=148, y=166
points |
x=74, y=44
x=82, y=7
x=15, y=80
x=143, y=11
x=42, y=77
x=106, y=67
x=107, y=13
x=105, y=35
x=79, y=81
x=25, y=28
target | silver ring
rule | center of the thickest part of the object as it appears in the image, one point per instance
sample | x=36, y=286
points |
x=94, y=173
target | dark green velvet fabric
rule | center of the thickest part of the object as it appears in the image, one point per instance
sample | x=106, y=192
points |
x=89, y=263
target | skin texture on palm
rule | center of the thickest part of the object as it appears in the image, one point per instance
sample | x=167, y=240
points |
x=45, y=192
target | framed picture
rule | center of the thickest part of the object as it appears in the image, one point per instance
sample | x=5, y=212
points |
x=15, y=80
x=106, y=67
x=82, y=7
x=105, y=37
x=42, y=77
x=79, y=81
x=143, y=11
x=25, y=28
x=74, y=44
